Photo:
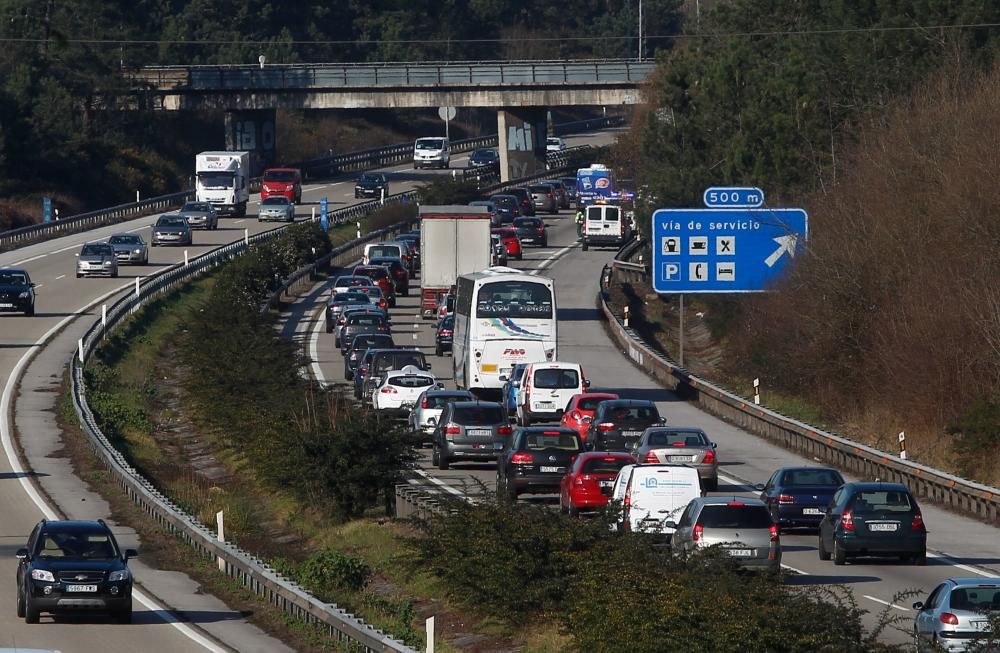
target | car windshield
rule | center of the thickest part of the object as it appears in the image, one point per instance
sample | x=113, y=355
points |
x=171, y=221
x=553, y=141
x=473, y=415
x=552, y=440
x=124, y=239
x=430, y=144
x=677, y=439
x=514, y=299
x=93, y=545
x=812, y=477
x=556, y=379
x=369, y=179
x=276, y=200
x=95, y=250
x=868, y=502
x=605, y=465
x=735, y=515
x=216, y=180
x=411, y=381
x=202, y=207
x=13, y=278
x=279, y=175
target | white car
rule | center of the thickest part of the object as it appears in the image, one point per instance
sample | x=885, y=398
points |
x=400, y=389
x=430, y=403
x=554, y=144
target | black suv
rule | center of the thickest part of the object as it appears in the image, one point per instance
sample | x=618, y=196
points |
x=72, y=566
x=371, y=184
x=618, y=423
x=17, y=292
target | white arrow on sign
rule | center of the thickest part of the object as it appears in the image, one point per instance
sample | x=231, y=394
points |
x=785, y=244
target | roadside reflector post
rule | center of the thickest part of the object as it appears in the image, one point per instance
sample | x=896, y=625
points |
x=219, y=520
x=314, y=214
x=429, y=624
x=104, y=316
x=137, y=287
x=137, y=195
x=626, y=317
x=756, y=391
x=902, y=445
x=185, y=258
x=381, y=198
x=359, y=228
x=246, y=236
x=415, y=328
x=79, y=349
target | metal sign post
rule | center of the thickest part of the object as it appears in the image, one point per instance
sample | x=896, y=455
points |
x=680, y=337
x=447, y=114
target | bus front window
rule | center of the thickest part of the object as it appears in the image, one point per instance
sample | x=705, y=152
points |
x=514, y=299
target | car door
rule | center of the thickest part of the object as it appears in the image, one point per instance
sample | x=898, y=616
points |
x=828, y=525
x=926, y=619
x=681, y=539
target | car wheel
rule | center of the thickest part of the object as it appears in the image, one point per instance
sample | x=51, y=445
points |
x=712, y=485
x=329, y=328
x=520, y=257
x=123, y=616
x=31, y=613
x=919, y=559
x=584, y=246
x=347, y=376
x=78, y=275
x=434, y=454
x=30, y=312
x=406, y=292
x=442, y=462
x=562, y=506
x=821, y=549
x=114, y=275
x=526, y=420
x=839, y=555
x=20, y=603
x=572, y=509
x=438, y=351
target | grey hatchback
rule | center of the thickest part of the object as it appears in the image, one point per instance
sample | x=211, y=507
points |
x=957, y=614
x=742, y=528
x=469, y=430
x=685, y=445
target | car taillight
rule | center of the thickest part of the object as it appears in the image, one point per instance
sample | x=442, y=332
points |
x=445, y=332
x=918, y=522
x=452, y=429
x=364, y=370
x=786, y=498
x=541, y=230
x=522, y=458
x=847, y=521
x=605, y=426
x=342, y=320
x=709, y=458
x=949, y=618
x=773, y=530
x=505, y=429
x=548, y=195
x=650, y=458
x=697, y=532
x=389, y=390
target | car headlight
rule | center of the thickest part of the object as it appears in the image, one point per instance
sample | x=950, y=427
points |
x=121, y=574
x=43, y=575
x=137, y=251
x=107, y=264
x=24, y=295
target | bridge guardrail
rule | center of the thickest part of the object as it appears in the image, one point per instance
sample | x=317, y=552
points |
x=954, y=492
x=351, y=161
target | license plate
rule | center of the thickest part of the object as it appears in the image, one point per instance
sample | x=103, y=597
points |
x=980, y=625
x=406, y=404
x=631, y=434
x=681, y=459
x=883, y=527
x=812, y=511
x=81, y=588
x=607, y=483
x=551, y=470
x=6, y=306
x=479, y=432
x=740, y=553
x=543, y=403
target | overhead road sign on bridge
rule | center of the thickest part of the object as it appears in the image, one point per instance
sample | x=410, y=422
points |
x=704, y=251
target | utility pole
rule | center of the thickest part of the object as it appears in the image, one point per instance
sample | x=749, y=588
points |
x=640, y=31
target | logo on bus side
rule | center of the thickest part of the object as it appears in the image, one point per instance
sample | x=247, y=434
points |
x=514, y=352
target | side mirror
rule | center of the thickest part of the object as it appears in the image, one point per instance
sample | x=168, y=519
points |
x=32, y=284
x=503, y=377
x=586, y=383
x=663, y=420
x=919, y=605
x=432, y=421
x=22, y=554
x=427, y=366
x=670, y=524
x=131, y=553
x=715, y=445
x=440, y=385
x=759, y=487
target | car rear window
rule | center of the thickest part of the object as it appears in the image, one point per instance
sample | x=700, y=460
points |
x=351, y=298
x=812, y=477
x=541, y=189
x=608, y=465
x=472, y=415
x=364, y=320
x=677, y=439
x=634, y=413
x=527, y=222
x=734, y=516
x=440, y=401
x=411, y=381
x=369, y=341
x=397, y=361
x=976, y=599
x=881, y=501
x=383, y=250
x=590, y=403
x=561, y=441
x=557, y=379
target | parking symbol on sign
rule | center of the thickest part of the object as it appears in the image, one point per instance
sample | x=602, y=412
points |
x=698, y=271
x=671, y=246
x=671, y=272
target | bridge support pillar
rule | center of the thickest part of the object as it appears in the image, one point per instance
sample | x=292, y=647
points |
x=253, y=131
x=522, y=132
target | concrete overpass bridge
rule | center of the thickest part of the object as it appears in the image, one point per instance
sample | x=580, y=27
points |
x=521, y=91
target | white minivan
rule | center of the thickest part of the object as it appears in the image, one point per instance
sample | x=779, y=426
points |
x=431, y=152
x=652, y=495
x=546, y=389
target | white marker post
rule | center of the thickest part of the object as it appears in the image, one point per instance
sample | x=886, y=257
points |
x=220, y=521
x=415, y=327
x=79, y=349
x=359, y=228
x=626, y=317
x=902, y=445
x=314, y=214
x=381, y=198
x=104, y=316
x=756, y=391
x=137, y=287
x=137, y=195
x=185, y=258
x=246, y=236
x=429, y=625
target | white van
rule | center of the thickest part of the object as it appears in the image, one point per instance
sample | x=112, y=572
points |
x=546, y=389
x=389, y=249
x=651, y=495
x=605, y=224
x=431, y=152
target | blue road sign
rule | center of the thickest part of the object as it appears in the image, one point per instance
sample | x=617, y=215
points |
x=733, y=197
x=701, y=251
x=324, y=219
x=46, y=209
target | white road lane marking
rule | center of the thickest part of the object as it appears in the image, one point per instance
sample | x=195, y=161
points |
x=57, y=278
x=891, y=605
x=39, y=285
x=23, y=475
x=794, y=570
x=444, y=486
x=951, y=562
x=33, y=258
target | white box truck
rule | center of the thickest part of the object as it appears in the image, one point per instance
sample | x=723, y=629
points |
x=223, y=179
x=454, y=240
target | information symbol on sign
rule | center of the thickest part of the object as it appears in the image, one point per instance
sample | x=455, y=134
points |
x=671, y=272
x=698, y=245
x=725, y=245
x=725, y=271
x=698, y=271
x=671, y=246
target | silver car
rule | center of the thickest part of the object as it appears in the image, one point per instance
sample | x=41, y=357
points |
x=683, y=445
x=741, y=527
x=171, y=229
x=96, y=260
x=200, y=215
x=956, y=614
x=427, y=410
x=544, y=197
x=469, y=430
x=276, y=207
x=130, y=249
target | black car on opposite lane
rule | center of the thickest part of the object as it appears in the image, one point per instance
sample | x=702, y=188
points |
x=73, y=566
x=17, y=292
x=371, y=184
x=535, y=459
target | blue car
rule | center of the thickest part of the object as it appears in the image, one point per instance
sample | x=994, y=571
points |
x=511, y=387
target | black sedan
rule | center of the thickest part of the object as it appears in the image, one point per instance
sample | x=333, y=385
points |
x=531, y=231
x=535, y=460
x=619, y=423
x=798, y=496
x=371, y=184
x=445, y=334
x=486, y=158
x=359, y=345
x=17, y=292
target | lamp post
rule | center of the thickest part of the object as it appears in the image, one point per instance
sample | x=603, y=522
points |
x=640, y=31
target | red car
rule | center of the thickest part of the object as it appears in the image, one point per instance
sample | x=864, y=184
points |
x=510, y=240
x=284, y=182
x=398, y=270
x=588, y=483
x=580, y=411
x=380, y=277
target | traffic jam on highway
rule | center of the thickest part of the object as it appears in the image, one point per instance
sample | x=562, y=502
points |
x=513, y=404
